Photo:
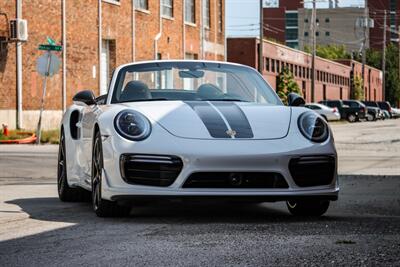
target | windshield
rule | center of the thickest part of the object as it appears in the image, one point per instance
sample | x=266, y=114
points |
x=191, y=81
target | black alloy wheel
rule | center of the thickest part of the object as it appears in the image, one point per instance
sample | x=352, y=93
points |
x=102, y=207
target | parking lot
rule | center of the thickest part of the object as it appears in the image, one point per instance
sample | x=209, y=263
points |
x=362, y=228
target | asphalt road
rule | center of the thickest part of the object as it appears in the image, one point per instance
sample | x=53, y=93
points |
x=362, y=228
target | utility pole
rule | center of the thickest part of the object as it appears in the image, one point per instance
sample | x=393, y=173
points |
x=18, y=48
x=384, y=58
x=261, y=46
x=314, y=41
x=364, y=44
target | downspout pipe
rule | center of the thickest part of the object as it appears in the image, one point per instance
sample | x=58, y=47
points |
x=18, y=46
x=64, y=57
x=133, y=31
x=158, y=36
x=100, y=43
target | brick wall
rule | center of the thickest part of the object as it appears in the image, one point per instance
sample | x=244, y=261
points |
x=118, y=19
x=333, y=76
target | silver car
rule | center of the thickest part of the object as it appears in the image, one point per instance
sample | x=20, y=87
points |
x=329, y=114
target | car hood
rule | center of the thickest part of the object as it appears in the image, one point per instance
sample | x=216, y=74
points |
x=217, y=119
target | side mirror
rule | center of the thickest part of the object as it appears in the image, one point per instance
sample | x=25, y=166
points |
x=295, y=100
x=85, y=96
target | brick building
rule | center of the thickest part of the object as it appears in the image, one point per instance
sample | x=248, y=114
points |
x=376, y=12
x=131, y=30
x=281, y=22
x=333, y=79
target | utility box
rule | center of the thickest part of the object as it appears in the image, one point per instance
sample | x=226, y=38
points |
x=18, y=30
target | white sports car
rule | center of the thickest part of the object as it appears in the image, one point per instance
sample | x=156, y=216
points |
x=194, y=129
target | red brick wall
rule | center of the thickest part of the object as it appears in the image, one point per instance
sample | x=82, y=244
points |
x=44, y=19
x=335, y=76
x=274, y=23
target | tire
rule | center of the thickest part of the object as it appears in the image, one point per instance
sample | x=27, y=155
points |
x=102, y=207
x=308, y=207
x=65, y=192
x=325, y=118
x=372, y=117
x=352, y=117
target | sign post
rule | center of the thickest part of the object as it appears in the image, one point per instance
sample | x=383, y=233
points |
x=47, y=65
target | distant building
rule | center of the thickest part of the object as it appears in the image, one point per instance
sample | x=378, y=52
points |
x=376, y=12
x=281, y=21
x=333, y=79
x=339, y=26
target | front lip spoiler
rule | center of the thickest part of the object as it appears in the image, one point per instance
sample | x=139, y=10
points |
x=133, y=198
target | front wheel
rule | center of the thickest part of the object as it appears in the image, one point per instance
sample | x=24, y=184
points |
x=102, y=207
x=307, y=207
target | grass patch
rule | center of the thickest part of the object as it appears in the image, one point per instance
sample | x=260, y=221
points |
x=47, y=137
x=345, y=242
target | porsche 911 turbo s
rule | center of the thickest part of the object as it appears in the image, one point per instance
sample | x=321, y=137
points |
x=194, y=129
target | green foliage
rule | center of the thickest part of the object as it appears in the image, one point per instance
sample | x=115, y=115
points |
x=332, y=52
x=358, y=88
x=286, y=85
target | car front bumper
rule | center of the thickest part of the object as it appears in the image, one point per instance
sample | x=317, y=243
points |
x=218, y=156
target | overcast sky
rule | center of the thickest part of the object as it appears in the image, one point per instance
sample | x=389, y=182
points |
x=242, y=16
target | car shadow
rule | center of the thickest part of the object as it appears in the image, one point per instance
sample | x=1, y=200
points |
x=52, y=209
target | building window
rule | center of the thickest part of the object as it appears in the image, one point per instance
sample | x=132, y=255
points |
x=317, y=34
x=295, y=71
x=190, y=11
x=220, y=16
x=167, y=8
x=142, y=4
x=291, y=19
x=327, y=34
x=305, y=20
x=272, y=65
x=206, y=16
x=278, y=66
x=327, y=20
x=317, y=20
x=306, y=34
x=267, y=64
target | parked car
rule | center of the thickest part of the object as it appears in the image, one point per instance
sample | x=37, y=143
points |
x=373, y=111
x=385, y=105
x=395, y=113
x=329, y=114
x=352, y=114
x=194, y=138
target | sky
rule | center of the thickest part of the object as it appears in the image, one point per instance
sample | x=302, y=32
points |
x=242, y=16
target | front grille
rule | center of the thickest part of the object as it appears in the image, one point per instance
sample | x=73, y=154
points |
x=313, y=170
x=235, y=180
x=153, y=170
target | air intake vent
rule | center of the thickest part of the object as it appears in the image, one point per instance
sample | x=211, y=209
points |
x=235, y=180
x=312, y=170
x=153, y=170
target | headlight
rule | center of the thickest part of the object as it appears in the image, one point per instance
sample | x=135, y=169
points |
x=313, y=127
x=132, y=125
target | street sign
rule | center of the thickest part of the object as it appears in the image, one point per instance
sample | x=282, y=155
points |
x=47, y=64
x=50, y=47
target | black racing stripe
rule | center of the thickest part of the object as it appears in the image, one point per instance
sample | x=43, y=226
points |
x=211, y=119
x=236, y=118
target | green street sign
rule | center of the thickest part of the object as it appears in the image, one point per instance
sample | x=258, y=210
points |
x=48, y=47
x=51, y=41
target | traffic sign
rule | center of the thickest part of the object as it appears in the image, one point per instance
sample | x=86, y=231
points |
x=49, y=47
x=48, y=64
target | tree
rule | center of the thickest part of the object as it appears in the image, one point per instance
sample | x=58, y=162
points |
x=332, y=52
x=286, y=85
x=358, y=88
